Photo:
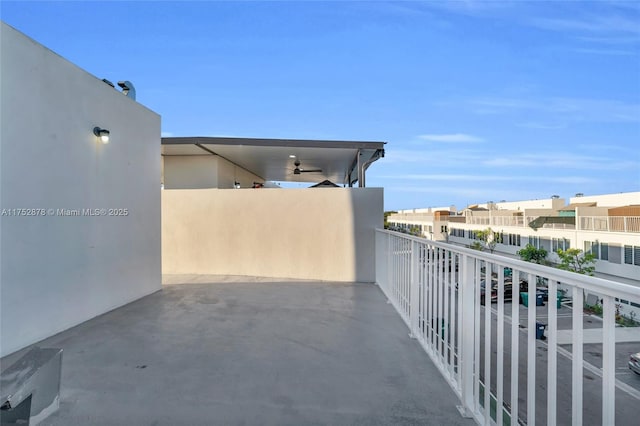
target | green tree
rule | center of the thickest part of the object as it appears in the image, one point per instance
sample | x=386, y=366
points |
x=532, y=254
x=575, y=260
x=386, y=216
x=489, y=238
x=477, y=245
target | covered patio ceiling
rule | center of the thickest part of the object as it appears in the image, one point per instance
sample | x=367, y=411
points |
x=342, y=162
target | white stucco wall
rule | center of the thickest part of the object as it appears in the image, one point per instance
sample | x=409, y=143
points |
x=204, y=171
x=190, y=171
x=58, y=271
x=320, y=233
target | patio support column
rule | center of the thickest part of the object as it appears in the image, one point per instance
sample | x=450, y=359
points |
x=360, y=170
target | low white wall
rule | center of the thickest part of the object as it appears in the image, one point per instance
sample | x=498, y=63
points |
x=318, y=233
x=57, y=271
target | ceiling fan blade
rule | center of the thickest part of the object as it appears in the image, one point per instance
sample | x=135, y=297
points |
x=311, y=171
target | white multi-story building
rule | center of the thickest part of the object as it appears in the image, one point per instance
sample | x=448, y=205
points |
x=606, y=225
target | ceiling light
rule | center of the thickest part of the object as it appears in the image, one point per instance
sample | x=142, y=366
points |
x=292, y=156
x=103, y=134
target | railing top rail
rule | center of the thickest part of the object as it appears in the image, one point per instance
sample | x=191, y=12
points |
x=597, y=285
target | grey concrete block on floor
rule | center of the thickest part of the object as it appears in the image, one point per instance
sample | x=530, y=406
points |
x=250, y=353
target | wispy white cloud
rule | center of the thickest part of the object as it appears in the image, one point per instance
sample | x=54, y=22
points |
x=451, y=138
x=560, y=161
x=624, y=40
x=452, y=157
x=613, y=52
x=491, y=178
x=166, y=134
x=473, y=8
x=599, y=24
x=561, y=108
x=539, y=125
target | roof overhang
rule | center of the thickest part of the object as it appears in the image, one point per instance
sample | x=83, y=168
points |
x=342, y=162
x=542, y=220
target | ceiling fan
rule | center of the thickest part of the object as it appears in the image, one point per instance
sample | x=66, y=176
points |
x=298, y=170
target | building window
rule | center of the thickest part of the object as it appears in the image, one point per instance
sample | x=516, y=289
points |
x=632, y=255
x=513, y=239
x=560, y=244
x=457, y=233
x=534, y=241
x=599, y=250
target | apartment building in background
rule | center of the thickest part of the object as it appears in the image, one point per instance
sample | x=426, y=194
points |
x=606, y=225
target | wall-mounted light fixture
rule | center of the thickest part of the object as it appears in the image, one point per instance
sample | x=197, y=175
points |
x=103, y=134
x=236, y=185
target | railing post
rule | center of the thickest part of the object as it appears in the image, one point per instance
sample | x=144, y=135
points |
x=414, y=294
x=608, y=361
x=466, y=292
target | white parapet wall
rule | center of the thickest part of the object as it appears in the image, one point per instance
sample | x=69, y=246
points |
x=80, y=224
x=317, y=233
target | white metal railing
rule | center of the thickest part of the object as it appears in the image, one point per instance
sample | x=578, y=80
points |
x=584, y=223
x=610, y=223
x=485, y=350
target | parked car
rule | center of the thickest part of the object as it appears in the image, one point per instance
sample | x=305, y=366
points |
x=634, y=362
x=508, y=290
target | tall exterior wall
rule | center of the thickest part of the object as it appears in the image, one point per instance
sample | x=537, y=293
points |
x=58, y=271
x=320, y=233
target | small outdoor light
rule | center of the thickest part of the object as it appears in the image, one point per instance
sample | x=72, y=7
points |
x=236, y=185
x=103, y=134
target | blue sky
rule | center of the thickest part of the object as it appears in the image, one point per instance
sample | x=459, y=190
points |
x=478, y=101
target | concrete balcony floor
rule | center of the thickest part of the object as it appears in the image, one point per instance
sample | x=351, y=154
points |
x=245, y=351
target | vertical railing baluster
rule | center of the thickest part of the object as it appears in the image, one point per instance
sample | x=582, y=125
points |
x=434, y=302
x=459, y=321
x=552, y=354
x=531, y=351
x=476, y=322
x=500, y=347
x=487, y=342
x=452, y=334
x=413, y=289
x=608, y=361
x=515, y=345
x=468, y=359
x=428, y=294
x=445, y=315
x=440, y=307
x=577, y=354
